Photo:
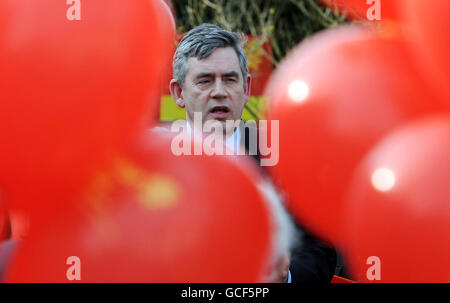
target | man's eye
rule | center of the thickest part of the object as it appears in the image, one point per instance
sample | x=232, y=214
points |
x=203, y=81
x=231, y=80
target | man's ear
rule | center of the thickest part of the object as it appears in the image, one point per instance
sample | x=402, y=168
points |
x=176, y=92
x=248, y=88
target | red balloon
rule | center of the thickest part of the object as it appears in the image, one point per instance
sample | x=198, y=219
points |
x=72, y=91
x=168, y=20
x=427, y=24
x=156, y=217
x=398, y=207
x=5, y=225
x=334, y=97
x=359, y=9
x=20, y=222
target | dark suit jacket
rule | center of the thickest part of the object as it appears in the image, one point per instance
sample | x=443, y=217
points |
x=312, y=261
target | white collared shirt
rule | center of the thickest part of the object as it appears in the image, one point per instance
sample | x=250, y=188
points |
x=233, y=142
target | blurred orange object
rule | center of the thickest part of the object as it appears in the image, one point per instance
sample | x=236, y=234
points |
x=260, y=67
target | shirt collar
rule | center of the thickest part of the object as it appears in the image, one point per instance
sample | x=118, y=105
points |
x=233, y=142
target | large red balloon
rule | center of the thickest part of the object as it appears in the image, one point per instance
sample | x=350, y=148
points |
x=20, y=222
x=427, y=26
x=334, y=97
x=156, y=217
x=358, y=9
x=398, y=207
x=72, y=91
x=5, y=225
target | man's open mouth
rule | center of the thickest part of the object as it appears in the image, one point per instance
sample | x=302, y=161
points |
x=220, y=110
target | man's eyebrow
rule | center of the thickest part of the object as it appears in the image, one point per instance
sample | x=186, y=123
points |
x=204, y=75
x=211, y=75
x=231, y=74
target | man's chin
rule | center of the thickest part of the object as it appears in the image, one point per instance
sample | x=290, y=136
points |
x=213, y=124
x=220, y=116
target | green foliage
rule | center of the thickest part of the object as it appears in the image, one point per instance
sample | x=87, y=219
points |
x=282, y=23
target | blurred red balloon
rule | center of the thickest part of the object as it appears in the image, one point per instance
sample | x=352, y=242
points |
x=169, y=18
x=427, y=26
x=20, y=223
x=398, y=206
x=72, y=91
x=156, y=217
x=360, y=9
x=334, y=97
x=5, y=225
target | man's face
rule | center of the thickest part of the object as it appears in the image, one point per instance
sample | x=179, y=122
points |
x=214, y=86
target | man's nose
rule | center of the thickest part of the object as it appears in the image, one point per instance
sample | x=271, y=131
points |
x=218, y=90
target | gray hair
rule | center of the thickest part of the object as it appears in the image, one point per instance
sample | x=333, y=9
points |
x=201, y=42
